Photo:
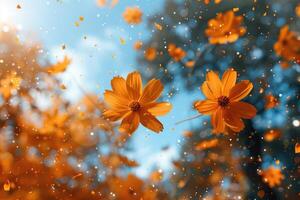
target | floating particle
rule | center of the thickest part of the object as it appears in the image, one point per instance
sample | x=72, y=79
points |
x=19, y=6
x=81, y=18
x=77, y=175
x=235, y=9
x=122, y=41
x=63, y=87
x=6, y=186
x=158, y=26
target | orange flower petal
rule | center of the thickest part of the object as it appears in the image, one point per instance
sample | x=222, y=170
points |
x=217, y=121
x=206, y=107
x=228, y=81
x=242, y=109
x=207, y=91
x=115, y=101
x=130, y=123
x=112, y=115
x=158, y=109
x=118, y=85
x=233, y=121
x=214, y=83
x=151, y=122
x=134, y=85
x=240, y=90
x=151, y=91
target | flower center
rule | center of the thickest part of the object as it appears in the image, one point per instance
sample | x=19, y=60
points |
x=223, y=101
x=134, y=106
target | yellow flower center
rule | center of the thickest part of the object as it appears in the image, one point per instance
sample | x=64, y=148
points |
x=134, y=106
x=223, y=101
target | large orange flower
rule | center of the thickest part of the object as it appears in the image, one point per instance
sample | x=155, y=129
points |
x=133, y=15
x=288, y=45
x=225, y=28
x=223, y=101
x=132, y=103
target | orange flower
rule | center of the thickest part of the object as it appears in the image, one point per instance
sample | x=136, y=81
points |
x=150, y=54
x=190, y=64
x=223, y=101
x=272, y=176
x=297, y=148
x=138, y=45
x=206, y=144
x=156, y=176
x=225, y=28
x=288, y=45
x=216, y=1
x=297, y=10
x=133, y=15
x=132, y=103
x=176, y=53
x=271, y=101
x=10, y=84
x=271, y=135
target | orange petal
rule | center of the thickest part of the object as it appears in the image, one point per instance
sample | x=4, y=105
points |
x=158, y=109
x=151, y=91
x=234, y=122
x=134, y=85
x=217, y=121
x=118, y=85
x=228, y=81
x=130, y=123
x=240, y=90
x=206, y=107
x=115, y=101
x=214, y=83
x=206, y=90
x=113, y=115
x=242, y=109
x=151, y=122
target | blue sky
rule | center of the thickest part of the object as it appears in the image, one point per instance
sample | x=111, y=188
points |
x=99, y=57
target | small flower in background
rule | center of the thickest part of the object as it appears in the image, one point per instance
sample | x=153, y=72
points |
x=297, y=10
x=190, y=63
x=138, y=45
x=206, y=144
x=272, y=176
x=223, y=102
x=271, y=135
x=134, y=104
x=175, y=52
x=103, y=3
x=150, y=53
x=216, y=1
x=225, y=28
x=133, y=15
x=271, y=101
x=156, y=176
x=10, y=84
x=288, y=45
x=297, y=148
